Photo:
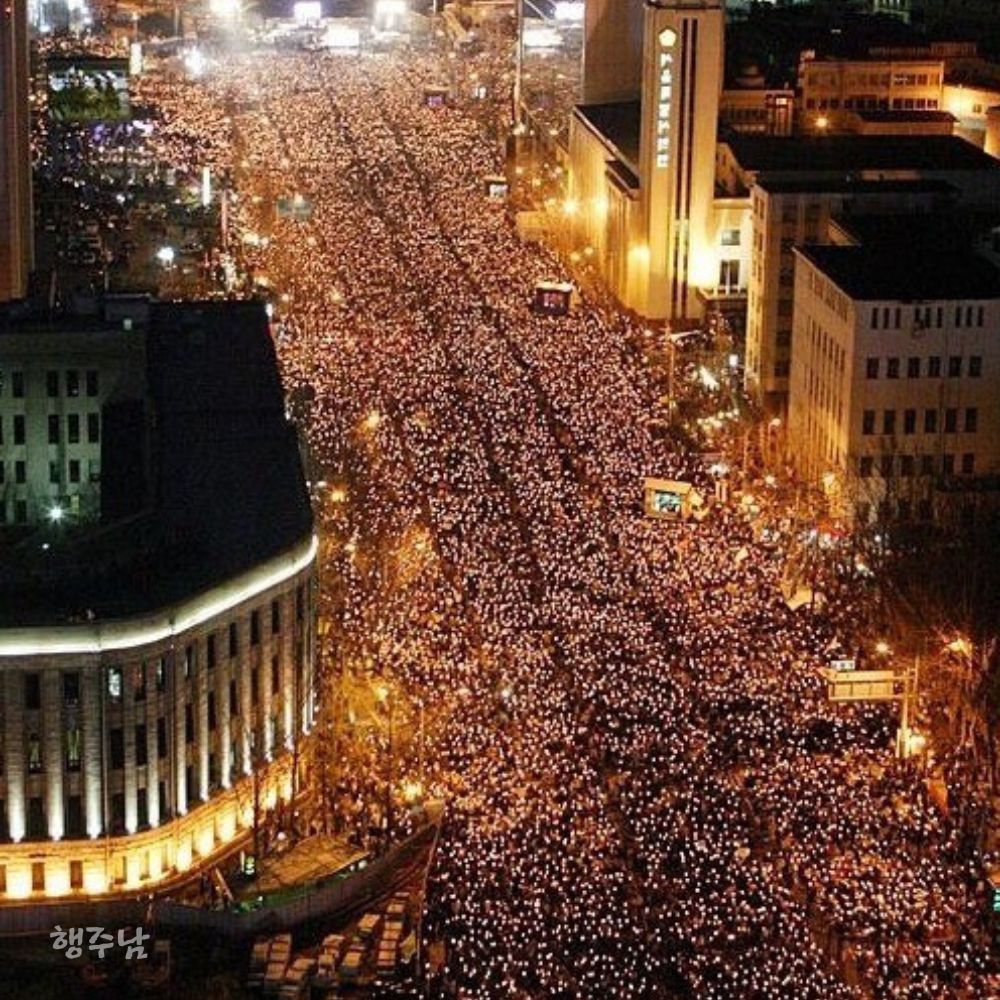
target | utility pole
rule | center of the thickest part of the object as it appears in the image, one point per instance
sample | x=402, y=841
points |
x=388, y=781
x=518, y=60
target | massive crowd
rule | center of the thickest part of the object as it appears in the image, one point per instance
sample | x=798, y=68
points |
x=647, y=792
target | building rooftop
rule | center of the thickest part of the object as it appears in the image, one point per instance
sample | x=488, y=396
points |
x=955, y=230
x=869, y=274
x=224, y=490
x=845, y=153
x=843, y=185
x=619, y=123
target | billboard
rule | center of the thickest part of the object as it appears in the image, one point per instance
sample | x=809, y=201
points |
x=671, y=500
x=865, y=685
x=88, y=89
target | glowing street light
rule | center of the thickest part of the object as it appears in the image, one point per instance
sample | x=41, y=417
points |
x=56, y=514
x=882, y=648
x=195, y=62
x=708, y=380
x=166, y=255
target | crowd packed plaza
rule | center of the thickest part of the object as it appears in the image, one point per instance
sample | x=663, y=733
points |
x=647, y=791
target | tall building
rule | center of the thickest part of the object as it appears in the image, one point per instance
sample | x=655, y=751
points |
x=612, y=50
x=157, y=637
x=642, y=158
x=16, y=233
x=682, y=81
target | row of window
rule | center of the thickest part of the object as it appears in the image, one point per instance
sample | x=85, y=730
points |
x=915, y=367
x=73, y=427
x=872, y=103
x=927, y=317
x=930, y=423
x=906, y=466
x=72, y=472
x=116, y=743
x=36, y=827
x=70, y=379
x=114, y=676
x=72, y=383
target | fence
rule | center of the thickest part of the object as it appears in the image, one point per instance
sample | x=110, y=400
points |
x=347, y=894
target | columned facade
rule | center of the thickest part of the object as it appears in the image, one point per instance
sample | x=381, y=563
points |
x=120, y=734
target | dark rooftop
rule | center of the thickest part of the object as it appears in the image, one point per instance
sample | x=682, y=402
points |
x=844, y=185
x=868, y=273
x=225, y=491
x=619, y=123
x=955, y=230
x=844, y=153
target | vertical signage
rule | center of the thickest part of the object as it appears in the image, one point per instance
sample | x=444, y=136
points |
x=668, y=39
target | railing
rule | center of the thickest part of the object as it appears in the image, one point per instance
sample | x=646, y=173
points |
x=349, y=893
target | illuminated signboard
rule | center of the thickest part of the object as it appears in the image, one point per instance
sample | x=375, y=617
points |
x=666, y=502
x=669, y=500
x=668, y=39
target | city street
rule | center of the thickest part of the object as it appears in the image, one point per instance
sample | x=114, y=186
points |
x=647, y=792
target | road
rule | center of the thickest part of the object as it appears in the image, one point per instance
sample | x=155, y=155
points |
x=648, y=794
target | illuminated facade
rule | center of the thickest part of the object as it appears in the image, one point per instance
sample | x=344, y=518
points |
x=643, y=169
x=126, y=746
x=832, y=88
x=156, y=644
x=16, y=234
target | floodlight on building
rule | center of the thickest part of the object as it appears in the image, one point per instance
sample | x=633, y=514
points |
x=56, y=514
x=194, y=62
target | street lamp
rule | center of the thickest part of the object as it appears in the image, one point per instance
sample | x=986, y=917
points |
x=383, y=695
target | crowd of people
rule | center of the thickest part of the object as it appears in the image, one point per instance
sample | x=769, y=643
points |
x=647, y=792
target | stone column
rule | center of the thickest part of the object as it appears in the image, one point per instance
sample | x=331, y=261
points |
x=201, y=724
x=92, y=684
x=13, y=743
x=179, y=699
x=154, y=702
x=243, y=666
x=128, y=741
x=52, y=758
x=222, y=720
